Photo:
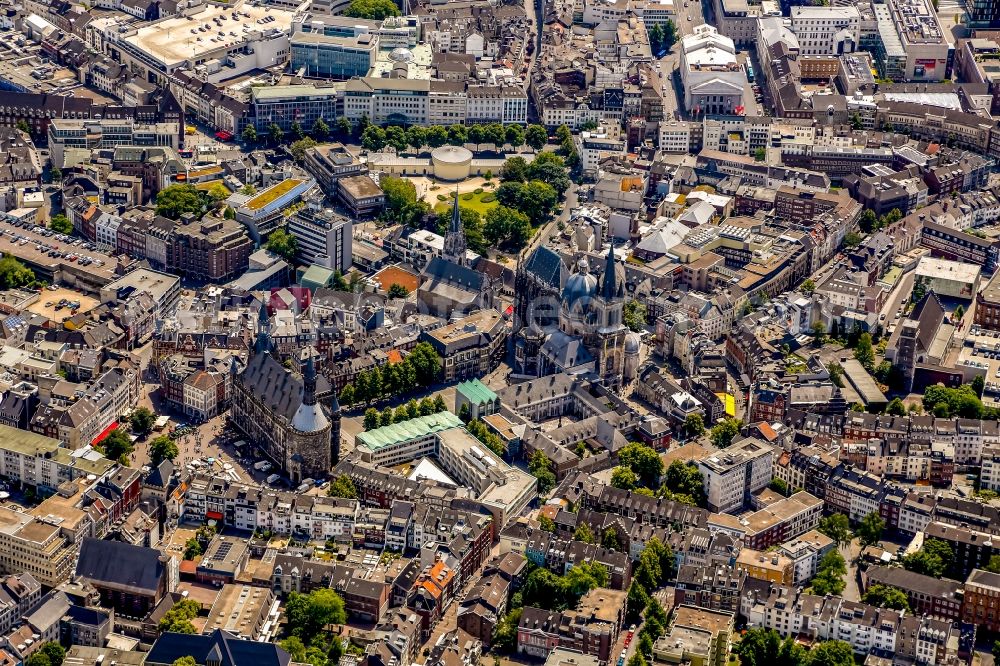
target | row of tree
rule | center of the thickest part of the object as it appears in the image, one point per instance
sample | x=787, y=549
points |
x=640, y=470
x=662, y=37
x=49, y=654
x=830, y=573
x=320, y=131
x=420, y=368
x=654, y=624
x=655, y=568
x=417, y=137
x=765, y=647
x=540, y=467
x=492, y=441
x=838, y=527
x=411, y=410
x=870, y=222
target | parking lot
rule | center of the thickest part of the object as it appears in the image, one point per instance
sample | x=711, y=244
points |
x=49, y=250
x=54, y=244
x=59, y=304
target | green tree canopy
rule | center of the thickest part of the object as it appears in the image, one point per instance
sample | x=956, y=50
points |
x=584, y=533
x=177, y=199
x=765, y=647
x=283, y=244
x=507, y=228
x=61, y=224
x=634, y=315
x=178, y=619
x=294, y=646
x=549, y=168
x=896, y=407
x=685, y=480
x=343, y=486
x=886, y=596
x=371, y=419
x=192, y=549
x=514, y=170
x=830, y=574
x=837, y=527
x=437, y=136
x=831, y=653
x=644, y=461
x=540, y=467
x=933, y=559
x=14, y=274
x=536, y=137
x=373, y=138
x=162, y=448
x=375, y=10
x=401, y=202
x=54, y=652
x=141, y=420
x=308, y=614
x=275, y=133
x=624, y=478
x=725, y=432
x=869, y=530
x=299, y=147
x=320, y=130
x=864, y=353
x=117, y=446
x=694, y=425
x=397, y=290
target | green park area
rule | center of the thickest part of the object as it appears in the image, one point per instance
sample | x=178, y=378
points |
x=480, y=201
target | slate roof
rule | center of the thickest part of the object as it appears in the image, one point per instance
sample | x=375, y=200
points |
x=442, y=270
x=929, y=314
x=221, y=646
x=160, y=475
x=114, y=563
x=548, y=266
x=273, y=385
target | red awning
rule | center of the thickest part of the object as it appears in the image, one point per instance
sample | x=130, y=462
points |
x=107, y=431
x=214, y=515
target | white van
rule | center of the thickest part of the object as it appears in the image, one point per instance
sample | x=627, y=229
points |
x=271, y=480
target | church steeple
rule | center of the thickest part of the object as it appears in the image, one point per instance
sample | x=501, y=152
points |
x=609, y=286
x=309, y=382
x=263, y=344
x=454, y=240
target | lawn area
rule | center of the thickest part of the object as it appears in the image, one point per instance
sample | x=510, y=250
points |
x=467, y=200
x=795, y=364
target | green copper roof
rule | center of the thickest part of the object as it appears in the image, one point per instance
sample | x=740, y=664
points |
x=476, y=392
x=406, y=430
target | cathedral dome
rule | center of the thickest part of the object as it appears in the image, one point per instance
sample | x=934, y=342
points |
x=632, y=343
x=579, y=286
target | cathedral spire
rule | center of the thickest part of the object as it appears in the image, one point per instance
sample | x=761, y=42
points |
x=609, y=287
x=309, y=382
x=456, y=216
x=454, y=241
x=263, y=344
